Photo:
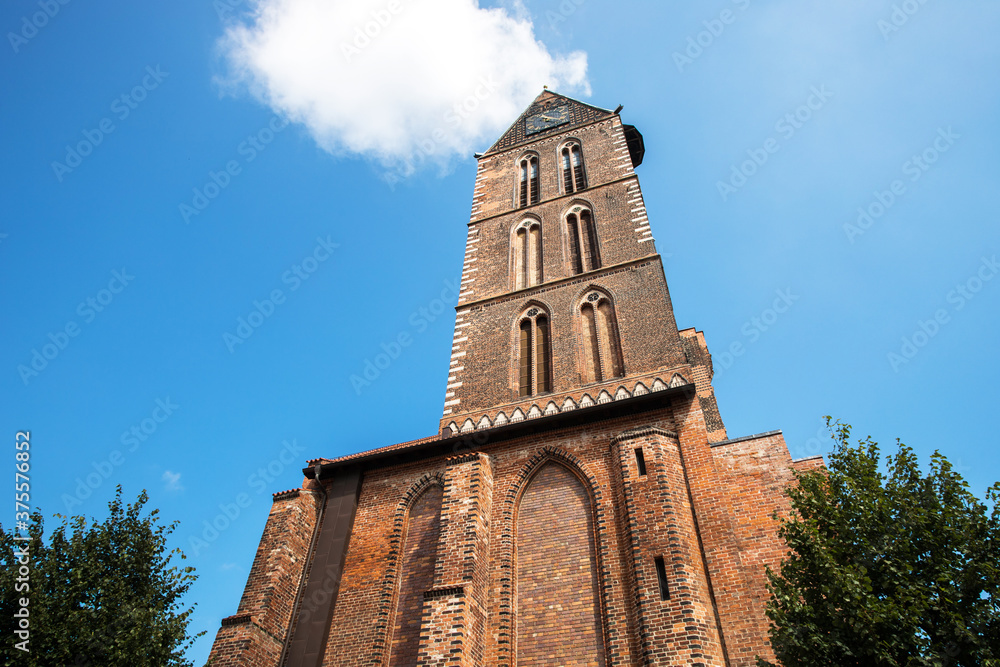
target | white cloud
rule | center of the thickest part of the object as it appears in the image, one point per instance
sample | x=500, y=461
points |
x=173, y=480
x=398, y=81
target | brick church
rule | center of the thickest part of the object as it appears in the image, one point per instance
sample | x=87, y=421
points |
x=581, y=503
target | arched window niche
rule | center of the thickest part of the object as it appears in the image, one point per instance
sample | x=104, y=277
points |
x=583, y=253
x=601, y=344
x=534, y=352
x=526, y=251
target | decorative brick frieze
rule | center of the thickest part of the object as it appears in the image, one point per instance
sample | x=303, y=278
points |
x=237, y=619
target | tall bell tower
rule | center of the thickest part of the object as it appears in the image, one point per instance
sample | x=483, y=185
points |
x=580, y=503
x=564, y=302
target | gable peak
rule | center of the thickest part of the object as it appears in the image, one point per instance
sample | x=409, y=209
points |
x=572, y=112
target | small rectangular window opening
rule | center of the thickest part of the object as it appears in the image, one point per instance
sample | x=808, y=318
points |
x=661, y=573
x=640, y=461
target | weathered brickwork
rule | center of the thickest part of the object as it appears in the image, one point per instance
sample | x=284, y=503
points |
x=265, y=611
x=423, y=527
x=607, y=523
x=558, y=599
x=756, y=469
x=676, y=620
x=490, y=376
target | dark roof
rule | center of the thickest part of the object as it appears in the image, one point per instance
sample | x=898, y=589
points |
x=377, y=450
x=579, y=114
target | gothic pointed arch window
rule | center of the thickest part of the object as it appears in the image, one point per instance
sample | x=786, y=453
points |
x=574, y=178
x=581, y=240
x=534, y=352
x=526, y=253
x=527, y=181
x=602, y=350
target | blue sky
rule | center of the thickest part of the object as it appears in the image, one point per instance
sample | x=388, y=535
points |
x=768, y=125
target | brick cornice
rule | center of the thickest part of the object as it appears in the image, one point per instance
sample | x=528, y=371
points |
x=745, y=438
x=449, y=592
x=589, y=276
x=643, y=431
x=237, y=619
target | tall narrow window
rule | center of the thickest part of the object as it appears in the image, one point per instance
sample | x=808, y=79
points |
x=574, y=178
x=534, y=251
x=608, y=334
x=522, y=196
x=534, y=353
x=533, y=180
x=592, y=357
x=526, y=247
x=640, y=461
x=602, y=354
x=526, y=358
x=581, y=241
x=661, y=576
x=542, y=353
x=527, y=172
x=573, y=234
x=588, y=241
x=520, y=252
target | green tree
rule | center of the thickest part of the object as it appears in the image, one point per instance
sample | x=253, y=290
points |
x=102, y=594
x=886, y=566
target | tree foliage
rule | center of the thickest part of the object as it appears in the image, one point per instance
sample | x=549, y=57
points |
x=102, y=594
x=886, y=566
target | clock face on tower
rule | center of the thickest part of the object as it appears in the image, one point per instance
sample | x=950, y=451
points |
x=544, y=120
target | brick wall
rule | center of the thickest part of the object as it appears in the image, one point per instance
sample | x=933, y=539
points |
x=660, y=523
x=558, y=599
x=255, y=635
x=647, y=330
x=756, y=470
x=484, y=577
x=416, y=568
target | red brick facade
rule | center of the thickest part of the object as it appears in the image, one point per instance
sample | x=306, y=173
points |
x=581, y=504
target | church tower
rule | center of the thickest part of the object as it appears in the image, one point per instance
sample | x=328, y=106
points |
x=581, y=503
x=564, y=303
